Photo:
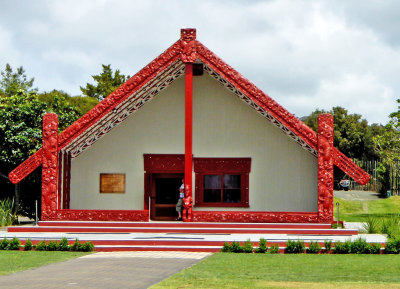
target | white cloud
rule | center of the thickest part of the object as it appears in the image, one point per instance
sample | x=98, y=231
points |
x=299, y=52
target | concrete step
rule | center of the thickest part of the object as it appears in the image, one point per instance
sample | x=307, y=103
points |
x=182, y=230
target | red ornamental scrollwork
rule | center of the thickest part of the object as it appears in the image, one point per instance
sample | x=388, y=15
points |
x=325, y=168
x=188, y=37
x=49, y=165
x=101, y=215
x=231, y=165
x=27, y=167
x=164, y=163
x=254, y=217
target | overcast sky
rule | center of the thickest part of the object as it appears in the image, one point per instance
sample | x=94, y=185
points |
x=304, y=54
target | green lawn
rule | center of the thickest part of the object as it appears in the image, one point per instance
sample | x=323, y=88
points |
x=230, y=270
x=14, y=261
x=359, y=211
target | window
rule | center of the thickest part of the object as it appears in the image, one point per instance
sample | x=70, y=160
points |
x=222, y=182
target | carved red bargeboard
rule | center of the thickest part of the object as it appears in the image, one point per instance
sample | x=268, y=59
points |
x=255, y=217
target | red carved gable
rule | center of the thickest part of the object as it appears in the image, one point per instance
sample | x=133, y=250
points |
x=188, y=49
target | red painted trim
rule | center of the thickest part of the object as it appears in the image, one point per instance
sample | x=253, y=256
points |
x=164, y=163
x=101, y=215
x=183, y=225
x=188, y=199
x=60, y=180
x=255, y=217
x=49, y=166
x=66, y=180
x=325, y=168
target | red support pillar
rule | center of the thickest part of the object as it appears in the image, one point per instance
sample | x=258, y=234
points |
x=188, y=199
x=49, y=166
x=325, y=168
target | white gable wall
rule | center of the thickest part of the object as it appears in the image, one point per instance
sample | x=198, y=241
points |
x=283, y=175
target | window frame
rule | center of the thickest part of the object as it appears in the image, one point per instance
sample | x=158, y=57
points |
x=222, y=166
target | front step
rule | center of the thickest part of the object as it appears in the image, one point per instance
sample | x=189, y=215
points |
x=175, y=236
x=182, y=230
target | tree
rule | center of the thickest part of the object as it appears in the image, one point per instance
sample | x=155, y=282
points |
x=79, y=103
x=352, y=134
x=11, y=82
x=387, y=146
x=21, y=135
x=106, y=83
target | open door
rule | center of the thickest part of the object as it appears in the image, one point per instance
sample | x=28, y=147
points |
x=164, y=196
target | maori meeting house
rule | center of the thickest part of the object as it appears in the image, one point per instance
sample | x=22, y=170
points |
x=188, y=116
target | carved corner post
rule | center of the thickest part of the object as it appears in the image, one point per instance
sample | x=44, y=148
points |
x=188, y=56
x=49, y=166
x=325, y=168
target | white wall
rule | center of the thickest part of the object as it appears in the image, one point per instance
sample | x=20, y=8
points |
x=283, y=175
x=158, y=127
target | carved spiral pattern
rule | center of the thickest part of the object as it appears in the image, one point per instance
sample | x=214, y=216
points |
x=49, y=166
x=101, y=215
x=325, y=168
x=254, y=217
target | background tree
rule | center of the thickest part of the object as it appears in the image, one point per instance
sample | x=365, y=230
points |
x=387, y=146
x=106, y=82
x=11, y=82
x=353, y=136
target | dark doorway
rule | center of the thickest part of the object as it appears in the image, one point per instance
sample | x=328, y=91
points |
x=165, y=194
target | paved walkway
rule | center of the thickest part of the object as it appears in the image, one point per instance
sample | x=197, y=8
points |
x=357, y=195
x=105, y=270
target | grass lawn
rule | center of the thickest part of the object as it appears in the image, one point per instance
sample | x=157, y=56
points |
x=230, y=270
x=359, y=211
x=14, y=261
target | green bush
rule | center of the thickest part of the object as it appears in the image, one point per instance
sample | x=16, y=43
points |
x=28, y=245
x=247, y=246
x=41, y=246
x=314, y=248
x=391, y=227
x=4, y=244
x=359, y=246
x=372, y=225
x=8, y=215
x=375, y=248
x=87, y=247
x=274, y=249
x=393, y=247
x=328, y=246
x=236, y=248
x=14, y=244
x=342, y=248
x=76, y=246
x=262, y=246
x=295, y=247
x=52, y=246
x=63, y=246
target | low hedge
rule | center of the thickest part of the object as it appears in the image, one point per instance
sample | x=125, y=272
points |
x=63, y=245
x=359, y=246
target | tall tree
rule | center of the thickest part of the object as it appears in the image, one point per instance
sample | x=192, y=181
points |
x=106, y=82
x=11, y=82
x=387, y=145
x=353, y=135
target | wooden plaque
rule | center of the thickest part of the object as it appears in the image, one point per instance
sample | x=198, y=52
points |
x=112, y=183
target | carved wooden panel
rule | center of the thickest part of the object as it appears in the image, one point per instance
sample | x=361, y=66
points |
x=254, y=217
x=325, y=168
x=112, y=183
x=101, y=215
x=164, y=163
x=49, y=166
